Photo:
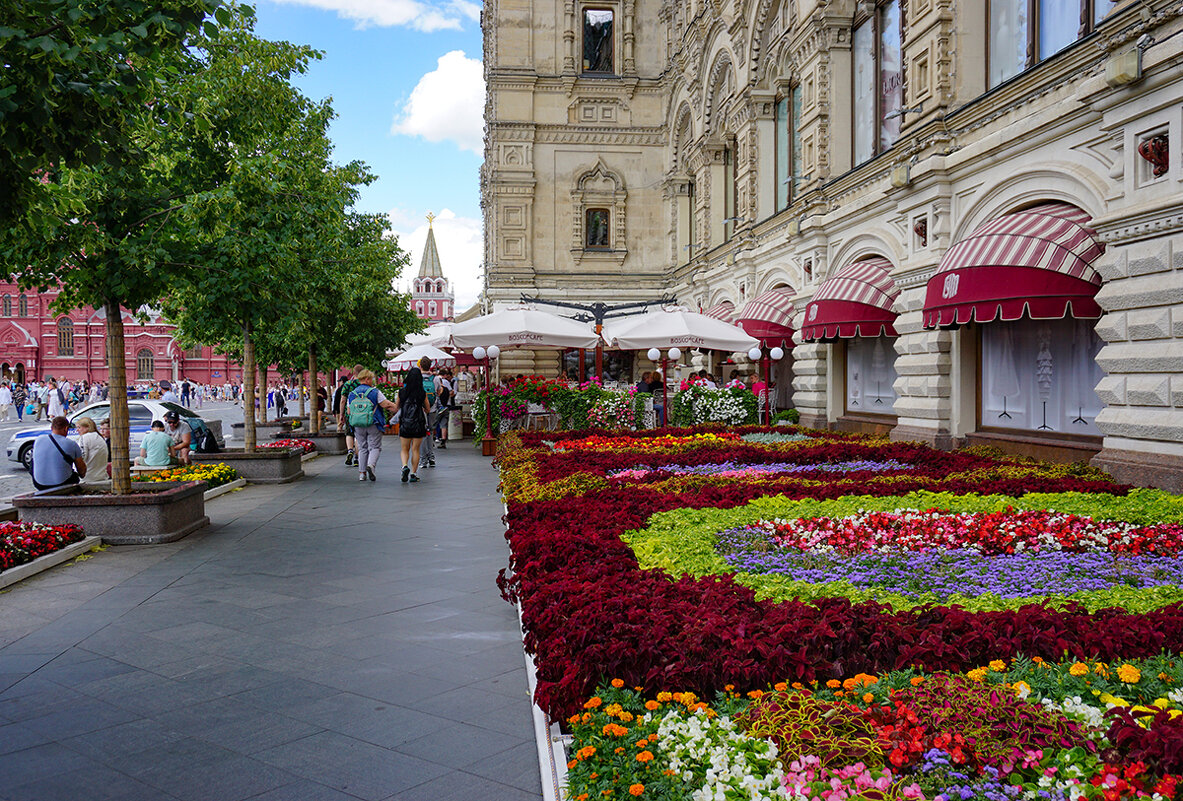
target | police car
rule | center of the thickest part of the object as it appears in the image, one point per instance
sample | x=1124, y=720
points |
x=140, y=414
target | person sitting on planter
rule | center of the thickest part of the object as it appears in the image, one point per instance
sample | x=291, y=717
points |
x=57, y=459
x=156, y=447
x=96, y=452
x=182, y=436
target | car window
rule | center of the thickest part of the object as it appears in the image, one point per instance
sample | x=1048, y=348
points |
x=179, y=409
x=139, y=413
x=97, y=412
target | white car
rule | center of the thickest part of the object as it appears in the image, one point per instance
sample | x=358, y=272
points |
x=140, y=413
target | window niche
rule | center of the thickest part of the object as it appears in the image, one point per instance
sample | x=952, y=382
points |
x=599, y=41
x=598, y=205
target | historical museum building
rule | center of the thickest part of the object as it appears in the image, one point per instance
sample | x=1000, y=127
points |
x=964, y=216
x=36, y=343
x=431, y=297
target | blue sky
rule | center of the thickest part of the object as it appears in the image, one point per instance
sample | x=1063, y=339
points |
x=404, y=77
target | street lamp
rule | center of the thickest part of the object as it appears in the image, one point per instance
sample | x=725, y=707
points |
x=489, y=442
x=773, y=355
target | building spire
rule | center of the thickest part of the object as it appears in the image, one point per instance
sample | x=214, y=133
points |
x=429, y=265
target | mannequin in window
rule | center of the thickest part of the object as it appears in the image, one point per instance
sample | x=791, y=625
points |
x=597, y=41
x=597, y=229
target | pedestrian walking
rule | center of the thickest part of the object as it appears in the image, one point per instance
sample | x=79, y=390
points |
x=342, y=418
x=19, y=398
x=411, y=411
x=367, y=409
x=427, y=455
x=5, y=401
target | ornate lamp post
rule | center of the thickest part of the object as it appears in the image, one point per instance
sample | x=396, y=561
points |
x=766, y=357
x=672, y=355
x=484, y=355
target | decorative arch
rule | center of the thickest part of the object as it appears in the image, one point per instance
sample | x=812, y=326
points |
x=1058, y=181
x=766, y=29
x=720, y=84
x=599, y=189
x=879, y=242
x=683, y=135
x=145, y=365
x=776, y=278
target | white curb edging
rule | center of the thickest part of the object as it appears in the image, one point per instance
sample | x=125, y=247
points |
x=308, y=457
x=42, y=563
x=222, y=490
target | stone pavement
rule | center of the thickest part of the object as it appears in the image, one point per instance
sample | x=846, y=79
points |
x=322, y=640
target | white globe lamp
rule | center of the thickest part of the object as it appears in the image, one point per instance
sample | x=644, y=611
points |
x=654, y=354
x=675, y=354
x=478, y=353
x=777, y=354
x=494, y=351
x=754, y=354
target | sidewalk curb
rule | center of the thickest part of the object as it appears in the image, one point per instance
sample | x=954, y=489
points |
x=222, y=490
x=43, y=563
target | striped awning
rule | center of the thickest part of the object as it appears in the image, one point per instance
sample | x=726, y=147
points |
x=854, y=302
x=724, y=311
x=769, y=317
x=1034, y=263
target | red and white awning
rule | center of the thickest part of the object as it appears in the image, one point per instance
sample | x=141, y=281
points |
x=854, y=302
x=1035, y=263
x=769, y=317
x=724, y=311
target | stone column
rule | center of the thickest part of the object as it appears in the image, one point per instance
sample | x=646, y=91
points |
x=810, y=368
x=924, y=363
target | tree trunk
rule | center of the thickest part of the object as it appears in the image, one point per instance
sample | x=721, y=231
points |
x=314, y=388
x=117, y=397
x=248, y=390
x=300, y=393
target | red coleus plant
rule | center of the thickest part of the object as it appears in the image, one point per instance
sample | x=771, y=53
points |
x=1153, y=739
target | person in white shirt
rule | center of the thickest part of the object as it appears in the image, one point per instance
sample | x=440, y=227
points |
x=53, y=400
x=95, y=451
x=5, y=401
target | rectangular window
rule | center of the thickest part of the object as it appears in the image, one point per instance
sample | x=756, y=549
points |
x=795, y=168
x=599, y=52
x=783, y=146
x=891, y=74
x=1059, y=25
x=1040, y=375
x=1024, y=32
x=870, y=375
x=864, y=92
x=596, y=234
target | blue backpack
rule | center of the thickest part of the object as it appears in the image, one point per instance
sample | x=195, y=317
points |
x=363, y=409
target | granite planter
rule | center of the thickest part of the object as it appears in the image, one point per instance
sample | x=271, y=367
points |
x=327, y=443
x=153, y=514
x=264, y=466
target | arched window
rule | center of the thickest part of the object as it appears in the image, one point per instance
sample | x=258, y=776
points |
x=8, y=305
x=65, y=337
x=419, y=308
x=23, y=306
x=145, y=365
x=431, y=309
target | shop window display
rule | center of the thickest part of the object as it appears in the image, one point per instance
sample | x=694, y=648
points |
x=1040, y=375
x=870, y=375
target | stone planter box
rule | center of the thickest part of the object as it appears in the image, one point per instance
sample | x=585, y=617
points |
x=155, y=513
x=328, y=444
x=42, y=563
x=264, y=466
x=237, y=483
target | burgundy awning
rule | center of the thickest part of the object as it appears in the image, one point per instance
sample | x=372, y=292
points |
x=724, y=311
x=768, y=317
x=1035, y=263
x=854, y=302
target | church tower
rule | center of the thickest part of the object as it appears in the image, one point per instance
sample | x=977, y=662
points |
x=431, y=297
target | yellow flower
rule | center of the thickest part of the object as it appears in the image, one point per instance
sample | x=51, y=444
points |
x=1106, y=698
x=1079, y=669
x=1129, y=674
x=1162, y=703
x=1022, y=689
x=977, y=674
x=664, y=697
x=997, y=665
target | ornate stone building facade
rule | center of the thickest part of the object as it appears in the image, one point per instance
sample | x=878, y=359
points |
x=974, y=206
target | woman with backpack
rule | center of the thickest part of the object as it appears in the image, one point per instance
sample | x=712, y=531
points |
x=412, y=422
x=364, y=409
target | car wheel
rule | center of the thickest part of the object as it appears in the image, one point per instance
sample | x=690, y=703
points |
x=26, y=456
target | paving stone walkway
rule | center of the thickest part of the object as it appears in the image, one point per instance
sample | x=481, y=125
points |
x=322, y=640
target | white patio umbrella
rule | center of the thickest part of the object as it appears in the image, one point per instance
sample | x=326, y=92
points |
x=411, y=356
x=522, y=327
x=676, y=328
x=436, y=335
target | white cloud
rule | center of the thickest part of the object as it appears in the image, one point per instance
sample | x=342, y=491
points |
x=460, y=245
x=426, y=17
x=447, y=104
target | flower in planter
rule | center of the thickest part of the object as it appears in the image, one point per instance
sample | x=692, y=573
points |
x=303, y=445
x=22, y=542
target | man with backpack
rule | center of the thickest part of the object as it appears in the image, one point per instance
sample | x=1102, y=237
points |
x=57, y=459
x=342, y=417
x=427, y=449
x=365, y=414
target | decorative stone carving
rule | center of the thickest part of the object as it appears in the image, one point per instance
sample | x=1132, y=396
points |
x=599, y=188
x=1156, y=150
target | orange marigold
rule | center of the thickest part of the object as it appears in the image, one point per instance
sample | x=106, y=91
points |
x=916, y=681
x=619, y=750
x=652, y=705
x=645, y=756
x=754, y=694
x=581, y=797
x=663, y=696
x=618, y=683
x=868, y=698
x=780, y=686
x=833, y=684
x=593, y=702
x=636, y=789
x=625, y=716
x=586, y=751
x=798, y=685
x=572, y=764
x=615, y=730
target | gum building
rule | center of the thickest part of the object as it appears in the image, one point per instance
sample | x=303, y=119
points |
x=965, y=219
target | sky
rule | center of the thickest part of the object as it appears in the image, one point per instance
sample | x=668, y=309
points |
x=405, y=81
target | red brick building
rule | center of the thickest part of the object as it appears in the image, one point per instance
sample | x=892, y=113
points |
x=36, y=343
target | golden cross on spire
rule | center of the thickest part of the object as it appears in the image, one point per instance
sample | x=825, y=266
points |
x=430, y=219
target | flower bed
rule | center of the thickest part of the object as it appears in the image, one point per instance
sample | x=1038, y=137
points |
x=304, y=446
x=580, y=407
x=23, y=542
x=215, y=475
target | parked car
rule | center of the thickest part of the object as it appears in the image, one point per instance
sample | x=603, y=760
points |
x=140, y=415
